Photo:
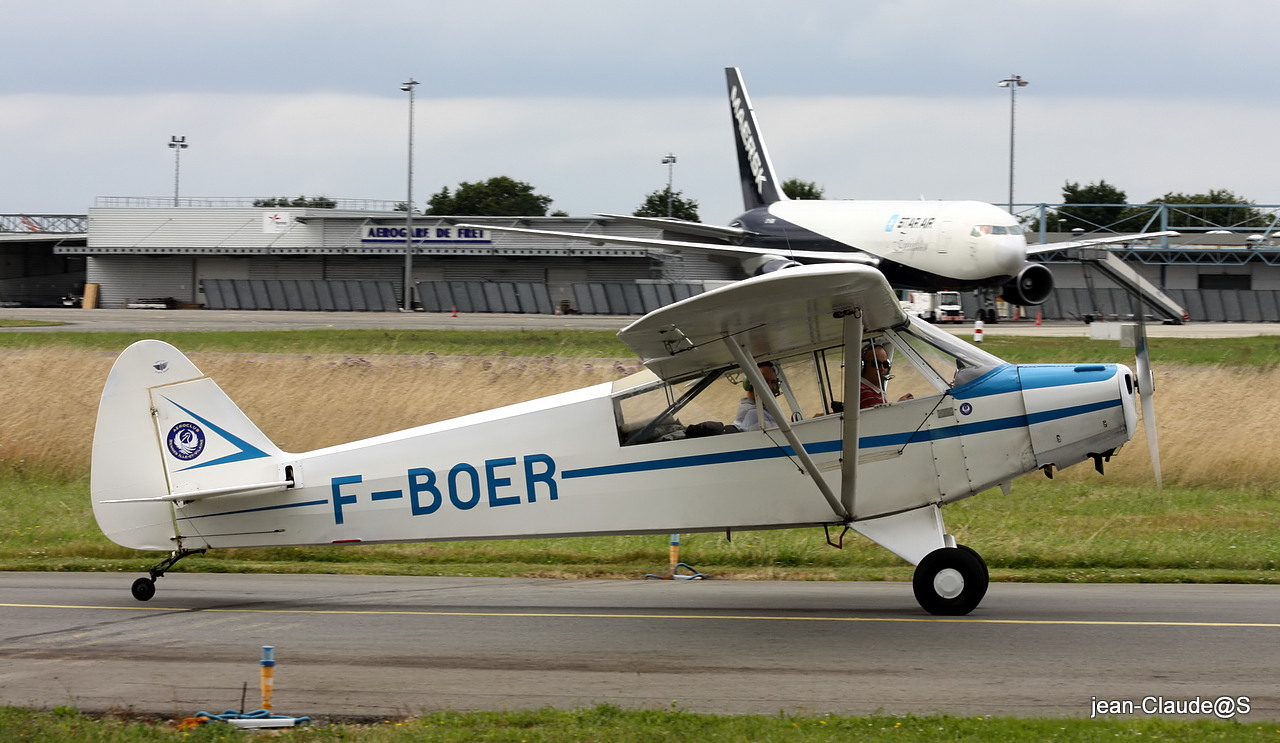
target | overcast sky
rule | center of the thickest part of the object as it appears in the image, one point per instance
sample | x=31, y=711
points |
x=582, y=99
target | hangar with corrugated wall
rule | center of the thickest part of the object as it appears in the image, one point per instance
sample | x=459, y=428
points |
x=231, y=256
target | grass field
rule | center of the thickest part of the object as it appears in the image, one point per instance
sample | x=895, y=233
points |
x=614, y=725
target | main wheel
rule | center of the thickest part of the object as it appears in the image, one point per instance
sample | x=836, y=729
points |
x=143, y=589
x=950, y=581
x=985, y=572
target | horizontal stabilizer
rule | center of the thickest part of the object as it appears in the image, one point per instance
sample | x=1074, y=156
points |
x=202, y=494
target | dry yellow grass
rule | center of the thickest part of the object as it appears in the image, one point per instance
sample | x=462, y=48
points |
x=1217, y=426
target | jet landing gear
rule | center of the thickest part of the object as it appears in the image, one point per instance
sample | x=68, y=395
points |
x=144, y=588
x=951, y=581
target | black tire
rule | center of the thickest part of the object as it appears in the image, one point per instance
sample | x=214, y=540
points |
x=972, y=551
x=143, y=589
x=950, y=581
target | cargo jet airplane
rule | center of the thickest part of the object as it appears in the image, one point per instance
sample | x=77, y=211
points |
x=927, y=245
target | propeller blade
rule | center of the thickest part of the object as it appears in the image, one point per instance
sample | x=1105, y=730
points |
x=1147, y=388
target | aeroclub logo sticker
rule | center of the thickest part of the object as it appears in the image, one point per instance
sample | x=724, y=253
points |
x=965, y=408
x=186, y=441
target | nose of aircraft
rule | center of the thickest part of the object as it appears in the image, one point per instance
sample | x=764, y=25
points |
x=1008, y=253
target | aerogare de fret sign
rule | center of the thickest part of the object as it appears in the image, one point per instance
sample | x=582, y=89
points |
x=441, y=234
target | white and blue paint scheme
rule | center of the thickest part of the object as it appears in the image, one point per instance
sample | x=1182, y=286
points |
x=178, y=467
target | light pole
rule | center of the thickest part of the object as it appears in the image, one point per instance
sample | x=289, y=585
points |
x=670, y=162
x=408, y=209
x=1013, y=82
x=177, y=144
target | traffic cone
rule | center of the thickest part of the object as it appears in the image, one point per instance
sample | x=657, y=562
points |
x=977, y=332
x=1037, y=317
x=455, y=310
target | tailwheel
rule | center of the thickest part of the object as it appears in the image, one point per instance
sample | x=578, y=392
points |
x=143, y=589
x=950, y=581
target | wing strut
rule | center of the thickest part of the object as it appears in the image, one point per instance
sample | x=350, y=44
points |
x=749, y=368
x=852, y=409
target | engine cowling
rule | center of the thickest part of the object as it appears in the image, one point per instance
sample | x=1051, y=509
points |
x=762, y=264
x=1032, y=285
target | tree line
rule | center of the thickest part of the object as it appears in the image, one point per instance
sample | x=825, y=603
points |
x=1088, y=207
x=1095, y=205
x=502, y=196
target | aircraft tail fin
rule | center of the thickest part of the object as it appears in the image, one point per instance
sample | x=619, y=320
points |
x=165, y=429
x=760, y=185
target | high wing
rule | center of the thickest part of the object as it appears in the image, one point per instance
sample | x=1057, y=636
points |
x=770, y=315
x=735, y=251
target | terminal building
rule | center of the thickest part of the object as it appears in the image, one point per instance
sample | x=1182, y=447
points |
x=236, y=256
x=229, y=254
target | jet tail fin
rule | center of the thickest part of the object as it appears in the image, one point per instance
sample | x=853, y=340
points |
x=760, y=185
x=166, y=432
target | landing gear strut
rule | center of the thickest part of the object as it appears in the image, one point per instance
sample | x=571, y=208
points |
x=144, y=588
x=951, y=581
x=987, y=306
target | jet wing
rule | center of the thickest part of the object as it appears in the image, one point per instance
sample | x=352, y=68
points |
x=683, y=226
x=735, y=251
x=772, y=314
x=1050, y=247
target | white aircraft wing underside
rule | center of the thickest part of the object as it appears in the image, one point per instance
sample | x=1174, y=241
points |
x=771, y=315
x=682, y=226
x=1049, y=247
x=736, y=251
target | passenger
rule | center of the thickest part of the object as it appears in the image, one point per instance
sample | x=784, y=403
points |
x=748, y=418
x=875, y=374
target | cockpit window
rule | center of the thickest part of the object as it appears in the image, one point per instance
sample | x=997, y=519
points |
x=804, y=385
x=918, y=362
x=953, y=361
x=994, y=229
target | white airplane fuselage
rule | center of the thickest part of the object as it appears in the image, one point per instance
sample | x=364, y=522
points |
x=922, y=244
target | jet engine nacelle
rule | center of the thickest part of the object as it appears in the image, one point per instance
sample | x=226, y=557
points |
x=760, y=265
x=1032, y=285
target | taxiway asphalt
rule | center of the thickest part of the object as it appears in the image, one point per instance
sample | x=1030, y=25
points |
x=384, y=647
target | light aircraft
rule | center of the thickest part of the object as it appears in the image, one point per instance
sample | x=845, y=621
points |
x=178, y=467
x=925, y=245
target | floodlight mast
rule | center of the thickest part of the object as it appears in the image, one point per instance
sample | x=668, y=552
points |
x=1013, y=82
x=177, y=144
x=669, y=161
x=408, y=209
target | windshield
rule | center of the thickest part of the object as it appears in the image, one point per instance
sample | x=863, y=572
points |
x=994, y=229
x=955, y=361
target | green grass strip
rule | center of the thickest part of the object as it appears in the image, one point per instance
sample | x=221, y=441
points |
x=617, y=725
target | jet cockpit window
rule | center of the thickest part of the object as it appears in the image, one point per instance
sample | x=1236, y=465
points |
x=994, y=229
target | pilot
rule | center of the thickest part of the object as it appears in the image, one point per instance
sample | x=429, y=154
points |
x=875, y=375
x=748, y=417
